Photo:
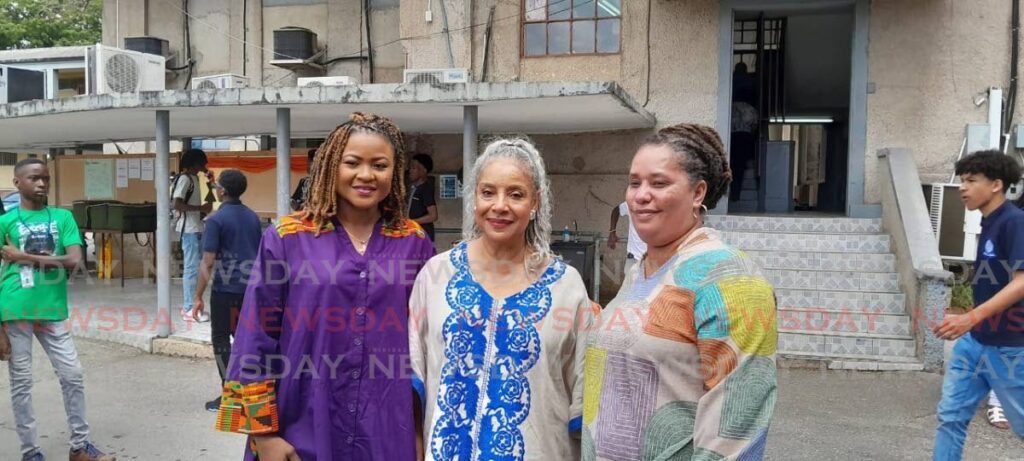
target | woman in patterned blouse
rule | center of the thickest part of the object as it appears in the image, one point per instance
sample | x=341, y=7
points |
x=497, y=357
x=681, y=364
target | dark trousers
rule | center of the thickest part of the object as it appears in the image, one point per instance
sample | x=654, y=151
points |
x=224, y=311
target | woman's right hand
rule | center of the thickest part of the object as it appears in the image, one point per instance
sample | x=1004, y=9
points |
x=274, y=448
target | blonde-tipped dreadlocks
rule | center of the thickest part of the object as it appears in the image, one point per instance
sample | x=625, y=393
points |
x=322, y=202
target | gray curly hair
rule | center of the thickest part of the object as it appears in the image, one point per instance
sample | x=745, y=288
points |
x=538, y=234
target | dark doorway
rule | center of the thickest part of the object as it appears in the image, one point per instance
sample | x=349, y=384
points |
x=790, y=104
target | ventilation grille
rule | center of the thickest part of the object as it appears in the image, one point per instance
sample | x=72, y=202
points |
x=121, y=74
x=432, y=78
x=935, y=207
x=207, y=85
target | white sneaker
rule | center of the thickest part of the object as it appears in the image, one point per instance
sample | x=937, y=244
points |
x=203, y=317
x=187, y=316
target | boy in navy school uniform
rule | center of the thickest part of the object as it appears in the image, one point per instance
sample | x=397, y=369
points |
x=230, y=243
x=990, y=352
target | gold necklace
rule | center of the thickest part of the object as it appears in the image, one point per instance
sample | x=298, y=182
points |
x=361, y=242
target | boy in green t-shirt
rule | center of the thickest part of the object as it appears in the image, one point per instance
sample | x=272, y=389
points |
x=40, y=244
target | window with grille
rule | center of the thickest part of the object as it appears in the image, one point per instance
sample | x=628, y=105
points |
x=744, y=40
x=8, y=158
x=568, y=27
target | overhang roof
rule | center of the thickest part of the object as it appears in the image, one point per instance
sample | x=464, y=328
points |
x=511, y=107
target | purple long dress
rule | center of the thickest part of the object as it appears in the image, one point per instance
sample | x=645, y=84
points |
x=321, y=353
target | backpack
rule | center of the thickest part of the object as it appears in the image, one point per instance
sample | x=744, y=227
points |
x=178, y=253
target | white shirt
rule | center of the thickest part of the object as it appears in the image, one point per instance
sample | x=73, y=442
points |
x=634, y=245
x=192, y=220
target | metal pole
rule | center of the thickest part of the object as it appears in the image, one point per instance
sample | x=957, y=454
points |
x=163, y=223
x=284, y=171
x=469, y=132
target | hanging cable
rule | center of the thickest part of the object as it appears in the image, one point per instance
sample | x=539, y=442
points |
x=188, y=44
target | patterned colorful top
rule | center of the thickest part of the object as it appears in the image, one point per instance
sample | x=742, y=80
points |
x=681, y=365
x=499, y=379
x=320, y=351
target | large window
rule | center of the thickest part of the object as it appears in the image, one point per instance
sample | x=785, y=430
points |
x=567, y=27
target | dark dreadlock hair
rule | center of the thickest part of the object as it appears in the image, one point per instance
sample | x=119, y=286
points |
x=322, y=203
x=700, y=154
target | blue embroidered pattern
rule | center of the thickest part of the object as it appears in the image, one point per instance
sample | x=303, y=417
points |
x=483, y=404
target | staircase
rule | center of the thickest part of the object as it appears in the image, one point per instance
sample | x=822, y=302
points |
x=839, y=298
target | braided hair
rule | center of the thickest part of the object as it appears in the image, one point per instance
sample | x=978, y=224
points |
x=322, y=203
x=700, y=154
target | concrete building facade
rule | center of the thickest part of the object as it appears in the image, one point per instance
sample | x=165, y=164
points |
x=888, y=73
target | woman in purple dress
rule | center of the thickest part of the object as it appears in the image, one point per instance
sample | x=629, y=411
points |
x=319, y=365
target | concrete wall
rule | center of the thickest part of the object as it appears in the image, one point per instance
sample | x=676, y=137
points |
x=683, y=51
x=224, y=40
x=927, y=60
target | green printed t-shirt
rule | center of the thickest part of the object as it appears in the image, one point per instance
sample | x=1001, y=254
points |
x=48, y=298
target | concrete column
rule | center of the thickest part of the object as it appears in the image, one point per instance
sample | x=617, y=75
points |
x=469, y=133
x=163, y=223
x=284, y=151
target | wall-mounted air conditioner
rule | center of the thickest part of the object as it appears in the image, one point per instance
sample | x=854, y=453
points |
x=21, y=84
x=113, y=70
x=435, y=76
x=219, y=82
x=337, y=80
x=947, y=213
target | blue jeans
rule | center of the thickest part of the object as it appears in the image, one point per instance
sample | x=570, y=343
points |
x=190, y=247
x=973, y=370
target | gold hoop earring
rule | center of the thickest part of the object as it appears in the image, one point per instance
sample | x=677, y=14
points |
x=698, y=211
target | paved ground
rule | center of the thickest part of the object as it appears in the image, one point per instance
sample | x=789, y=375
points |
x=101, y=309
x=869, y=415
x=149, y=407
x=140, y=406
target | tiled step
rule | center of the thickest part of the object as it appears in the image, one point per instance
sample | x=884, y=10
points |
x=837, y=321
x=794, y=224
x=802, y=260
x=835, y=243
x=883, y=303
x=857, y=362
x=872, y=282
x=833, y=345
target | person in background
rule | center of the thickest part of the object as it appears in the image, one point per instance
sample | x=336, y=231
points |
x=635, y=247
x=230, y=243
x=989, y=338
x=189, y=225
x=316, y=369
x=697, y=378
x=422, y=206
x=40, y=245
x=302, y=189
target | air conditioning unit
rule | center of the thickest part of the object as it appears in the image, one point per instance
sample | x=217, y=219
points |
x=337, y=80
x=113, y=70
x=21, y=84
x=436, y=76
x=949, y=221
x=219, y=82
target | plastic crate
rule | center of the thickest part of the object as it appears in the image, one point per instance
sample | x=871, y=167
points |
x=131, y=217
